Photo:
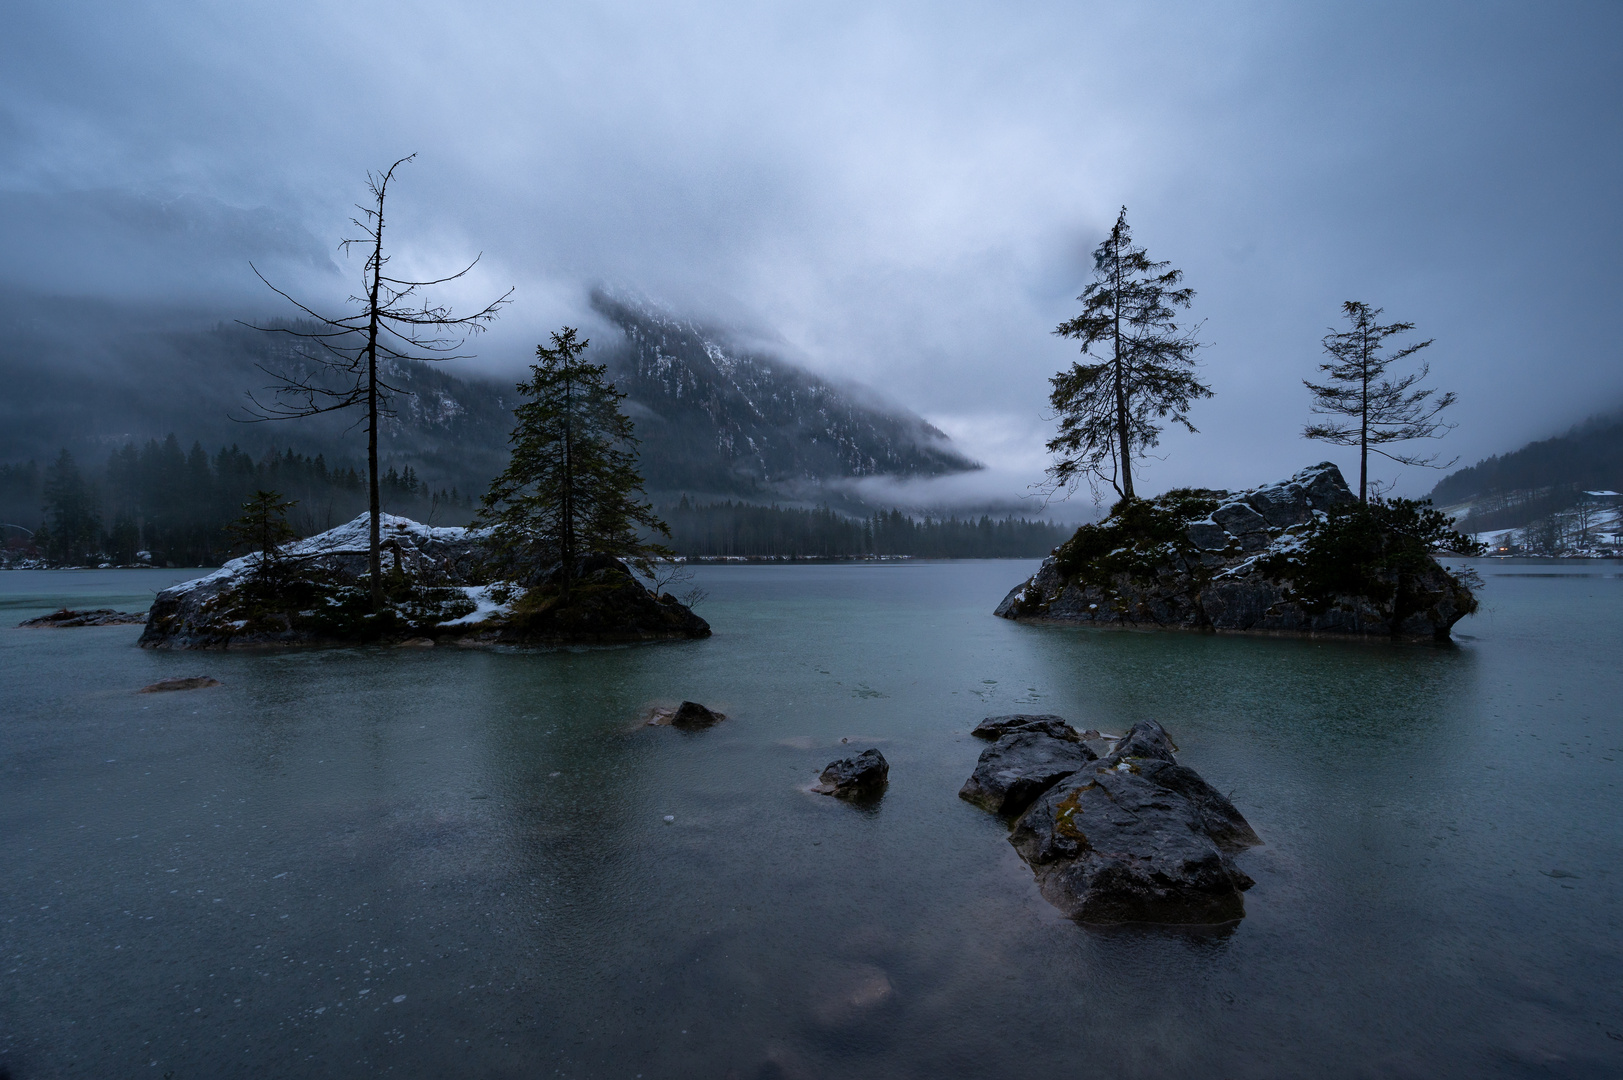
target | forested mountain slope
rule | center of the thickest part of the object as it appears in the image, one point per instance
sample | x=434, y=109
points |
x=1510, y=490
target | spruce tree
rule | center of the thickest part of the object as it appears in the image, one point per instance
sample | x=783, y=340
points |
x=1108, y=410
x=571, y=488
x=1379, y=410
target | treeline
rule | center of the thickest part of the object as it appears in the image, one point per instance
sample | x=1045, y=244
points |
x=749, y=530
x=163, y=505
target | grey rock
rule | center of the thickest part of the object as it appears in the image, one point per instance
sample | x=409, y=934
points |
x=1208, y=535
x=862, y=776
x=1019, y=767
x=1136, y=837
x=1237, y=518
x=994, y=727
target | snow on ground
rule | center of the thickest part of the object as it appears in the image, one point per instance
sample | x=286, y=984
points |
x=479, y=594
x=350, y=537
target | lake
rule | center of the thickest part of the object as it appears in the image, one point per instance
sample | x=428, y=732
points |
x=446, y=862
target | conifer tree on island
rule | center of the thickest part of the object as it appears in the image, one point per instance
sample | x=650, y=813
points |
x=571, y=489
x=350, y=355
x=1379, y=410
x=1108, y=410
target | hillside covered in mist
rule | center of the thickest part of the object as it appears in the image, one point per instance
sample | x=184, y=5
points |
x=714, y=419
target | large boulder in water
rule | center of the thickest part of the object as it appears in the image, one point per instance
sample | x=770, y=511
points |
x=1136, y=837
x=1245, y=561
x=1020, y=766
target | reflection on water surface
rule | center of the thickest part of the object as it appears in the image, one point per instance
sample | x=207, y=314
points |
x=445, y=862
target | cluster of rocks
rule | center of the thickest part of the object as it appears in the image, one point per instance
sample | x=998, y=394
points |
x=1226, y=561
x=1114, y=828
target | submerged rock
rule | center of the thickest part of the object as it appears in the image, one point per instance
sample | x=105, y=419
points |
x=1021, y=765
x=690, y=714
x=1136, y=837
x=190, y=682
x=861, y=776
x=98, y=617
x=1235, y=561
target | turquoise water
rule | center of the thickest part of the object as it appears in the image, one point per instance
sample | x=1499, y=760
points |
x=445, y=862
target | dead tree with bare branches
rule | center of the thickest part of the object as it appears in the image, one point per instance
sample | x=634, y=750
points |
x=351, y=355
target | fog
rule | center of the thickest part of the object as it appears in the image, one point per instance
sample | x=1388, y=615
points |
x=901, y=195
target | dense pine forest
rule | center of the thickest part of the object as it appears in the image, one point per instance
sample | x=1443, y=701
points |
x=161, y=504
x=743, y=529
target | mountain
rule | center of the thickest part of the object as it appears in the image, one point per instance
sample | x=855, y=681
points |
x=717, y=417
x=714, y=418
x=1510, y=490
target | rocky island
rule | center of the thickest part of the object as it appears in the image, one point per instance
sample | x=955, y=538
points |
x=1301, y=556
x=436, y=590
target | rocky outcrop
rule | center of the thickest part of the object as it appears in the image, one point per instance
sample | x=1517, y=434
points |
x=1136, y=837
x=315, y=592
x=1129, y=837
x=1239, y=561
x=861, y=776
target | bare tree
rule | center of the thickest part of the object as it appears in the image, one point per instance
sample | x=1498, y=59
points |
x=351, y=355
x=1380, y=410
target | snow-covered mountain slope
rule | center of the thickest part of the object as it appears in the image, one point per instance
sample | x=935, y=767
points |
x=715, y=416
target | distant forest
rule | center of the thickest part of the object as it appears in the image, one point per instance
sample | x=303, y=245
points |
x=744, y=529
x=166, y=505
x=174, y=505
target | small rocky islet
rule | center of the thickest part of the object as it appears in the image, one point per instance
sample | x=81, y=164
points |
x=1249, y=561
x=436, y=591
x=1123, y=836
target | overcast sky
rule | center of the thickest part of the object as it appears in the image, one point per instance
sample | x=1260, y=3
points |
x=904, y=194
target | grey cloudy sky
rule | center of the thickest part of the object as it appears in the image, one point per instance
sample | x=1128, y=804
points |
x=904, y=193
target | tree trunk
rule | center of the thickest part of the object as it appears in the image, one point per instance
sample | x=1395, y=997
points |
x=1363, y=422
x=374, y=559
x=1122, y=430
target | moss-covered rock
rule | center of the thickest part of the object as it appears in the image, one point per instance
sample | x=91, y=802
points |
x=1300, y=556
x=601, y=602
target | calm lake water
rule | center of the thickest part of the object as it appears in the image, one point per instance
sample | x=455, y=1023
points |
x=456, y=863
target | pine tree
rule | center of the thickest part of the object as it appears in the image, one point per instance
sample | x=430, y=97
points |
x=1108, y=410
x=1382, y=410
x=263, y=525
x=571, y=488
x=70, y=506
